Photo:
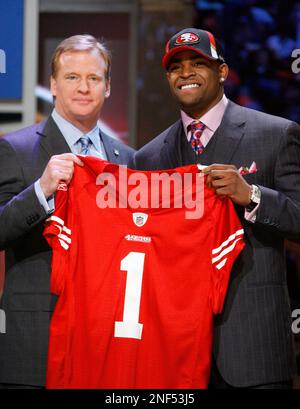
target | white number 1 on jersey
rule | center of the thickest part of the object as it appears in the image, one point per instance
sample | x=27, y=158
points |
x=130, y=327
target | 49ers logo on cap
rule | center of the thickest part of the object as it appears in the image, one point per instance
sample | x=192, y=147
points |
x=187, y=38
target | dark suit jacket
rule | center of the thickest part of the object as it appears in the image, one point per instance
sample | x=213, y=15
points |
x=26, y=300
x=253, y=341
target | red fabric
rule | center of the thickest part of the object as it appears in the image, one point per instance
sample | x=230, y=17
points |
x=181, y=287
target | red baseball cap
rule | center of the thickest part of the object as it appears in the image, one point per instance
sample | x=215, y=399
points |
x=201, y=41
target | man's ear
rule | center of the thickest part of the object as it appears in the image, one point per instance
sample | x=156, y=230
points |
x=53, y=86
x=107, y=91
x=223, y=72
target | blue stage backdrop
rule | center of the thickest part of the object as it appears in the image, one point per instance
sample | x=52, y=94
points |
x=11, y=49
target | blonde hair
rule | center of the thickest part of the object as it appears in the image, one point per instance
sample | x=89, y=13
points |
x=81, y=42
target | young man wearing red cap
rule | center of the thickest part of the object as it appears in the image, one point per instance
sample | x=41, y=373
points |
x=254, y=159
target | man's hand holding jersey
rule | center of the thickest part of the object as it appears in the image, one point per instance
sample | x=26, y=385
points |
x=59, y=168
x=227, y=181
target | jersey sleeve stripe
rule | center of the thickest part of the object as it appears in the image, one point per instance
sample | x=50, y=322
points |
x=65, y=229
x=56, y=219
x=221, y=264
x=64, y=237
x=225, y=251
x=59, y=227
x=227, y=241
x=60, y=224
x=64, y=244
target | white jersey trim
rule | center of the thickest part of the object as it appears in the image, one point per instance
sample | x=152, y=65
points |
x=60, y=222
x=227, y=241
x=64, y=239
x=225, y=251
x=226, y=247
x=56, y=219
x=64, y=244
x=221, y=264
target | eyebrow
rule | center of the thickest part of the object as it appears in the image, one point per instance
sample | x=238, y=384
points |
x=75, y=73
x=192, y=58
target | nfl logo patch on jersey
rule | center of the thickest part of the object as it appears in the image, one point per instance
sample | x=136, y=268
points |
x=139, y=219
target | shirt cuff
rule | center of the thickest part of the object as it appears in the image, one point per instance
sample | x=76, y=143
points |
x=48, y=205
x=251, y=216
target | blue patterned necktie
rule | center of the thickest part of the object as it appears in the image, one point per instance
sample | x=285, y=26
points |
x=197, y=128
x=85, y=143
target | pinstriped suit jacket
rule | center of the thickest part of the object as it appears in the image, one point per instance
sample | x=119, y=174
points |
x=253, y=341
x=26, y=299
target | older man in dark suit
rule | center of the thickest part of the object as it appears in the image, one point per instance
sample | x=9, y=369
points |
x=32, y=163
x=253, y=158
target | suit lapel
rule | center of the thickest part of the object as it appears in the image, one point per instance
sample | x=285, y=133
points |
x=52, y=140
x=111, y=149
x=229, y=134
x=170, y=156
x=54, y=143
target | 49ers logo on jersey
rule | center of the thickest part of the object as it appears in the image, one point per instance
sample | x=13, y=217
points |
x=187, y=38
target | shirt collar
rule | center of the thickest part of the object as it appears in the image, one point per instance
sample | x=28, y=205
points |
x=211, y=119
x=73, y=134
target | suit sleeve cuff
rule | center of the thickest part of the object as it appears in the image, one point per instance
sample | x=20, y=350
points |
x=251, y=216
x=48, y=205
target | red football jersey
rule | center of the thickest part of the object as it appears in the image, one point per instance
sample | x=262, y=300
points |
x=138, y=284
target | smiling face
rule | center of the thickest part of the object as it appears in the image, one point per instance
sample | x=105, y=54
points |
x=195, y=82
x=80, y=88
